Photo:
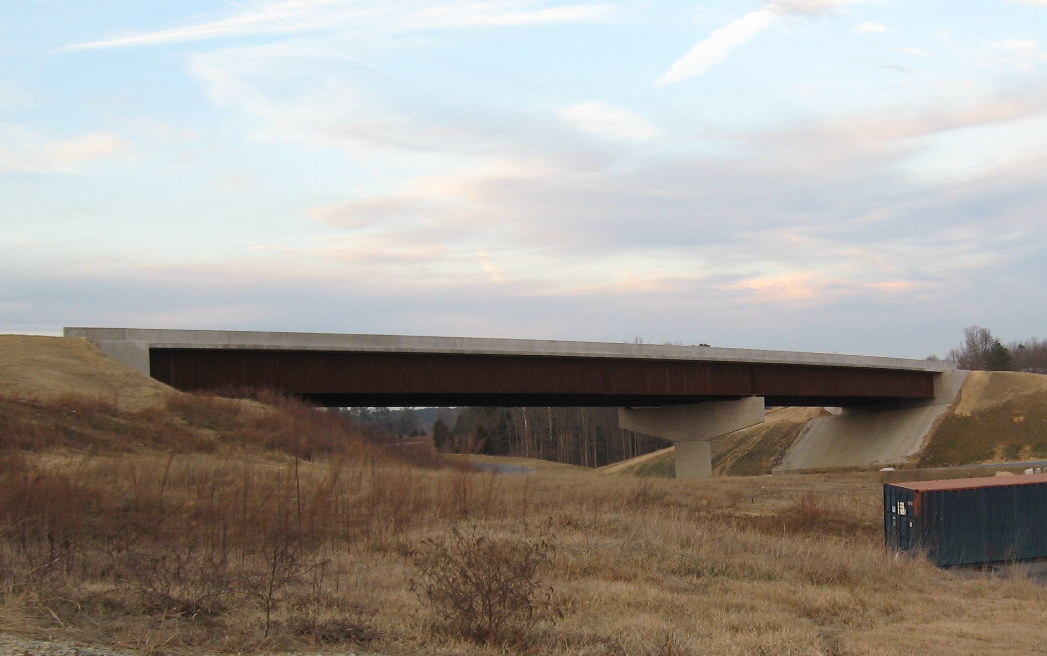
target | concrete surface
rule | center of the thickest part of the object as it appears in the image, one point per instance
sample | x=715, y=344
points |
x=886, y=435
x=694, y=459
x=692, y=427
x=703, y=421
x=131, y=345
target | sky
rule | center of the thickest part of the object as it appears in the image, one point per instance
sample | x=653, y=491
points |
x=851, y=176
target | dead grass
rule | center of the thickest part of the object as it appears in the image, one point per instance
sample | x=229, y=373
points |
x=47, y=368
x=204, y=526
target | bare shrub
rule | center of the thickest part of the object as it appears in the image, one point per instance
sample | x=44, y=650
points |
x=43, y=517
x=332, y=630
x=647, y=493
x=813, y=513
x=189, y=583
x=483, y=588
x=203, y=411
x=670, y=645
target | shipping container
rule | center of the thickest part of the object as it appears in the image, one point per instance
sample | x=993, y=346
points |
x=968, y=521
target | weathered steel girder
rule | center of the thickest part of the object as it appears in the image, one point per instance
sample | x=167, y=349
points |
x=347, y=378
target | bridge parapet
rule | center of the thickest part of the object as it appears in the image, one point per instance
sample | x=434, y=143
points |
x=162, y=338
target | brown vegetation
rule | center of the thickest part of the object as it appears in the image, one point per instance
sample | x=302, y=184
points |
x=46, y=368
x=203, y=524
x=247, y=548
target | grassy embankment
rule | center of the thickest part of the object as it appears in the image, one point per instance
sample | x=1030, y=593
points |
x=977, y=437
x=193, y=526
x=189, y=524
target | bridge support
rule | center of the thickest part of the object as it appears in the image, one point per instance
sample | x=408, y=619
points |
x=885, y=434
x=693, y=427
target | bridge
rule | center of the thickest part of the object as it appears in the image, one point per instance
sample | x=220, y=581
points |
x=688, y=394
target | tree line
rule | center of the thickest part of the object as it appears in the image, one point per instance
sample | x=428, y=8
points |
x=981, y=350
x=589, y=437
x=579, y=436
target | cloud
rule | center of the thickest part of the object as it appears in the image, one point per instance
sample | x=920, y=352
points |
x=801, y=286
x=457, y=208
x=823, y=229
x=493, y=272
x=1019, y=54
x=608, y=120
x=303, y=16
x=718, y=45
x=650, y=250
x=268, y=18
x=869, y=28
x=721, y=42
x=500, y=14
x=263, y=84
x=806, y=7
x=367, y=212
x=23, y=149
x=901, y=131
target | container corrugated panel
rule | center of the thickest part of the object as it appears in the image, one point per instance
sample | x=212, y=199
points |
x=969, y=520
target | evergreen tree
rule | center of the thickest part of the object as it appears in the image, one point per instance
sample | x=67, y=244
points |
x=443, y=438
x=998, y=358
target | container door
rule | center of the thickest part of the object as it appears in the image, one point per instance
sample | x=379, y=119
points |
x=898, y=518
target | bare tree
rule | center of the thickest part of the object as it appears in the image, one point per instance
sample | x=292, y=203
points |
x=1029, y=355
x=974, y=352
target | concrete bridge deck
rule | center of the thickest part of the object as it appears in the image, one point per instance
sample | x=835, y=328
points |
x=388, y=370
x=688, y=394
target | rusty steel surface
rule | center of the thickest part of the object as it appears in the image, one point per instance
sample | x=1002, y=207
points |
x=345, y=378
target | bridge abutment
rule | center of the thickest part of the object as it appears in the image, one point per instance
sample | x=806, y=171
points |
x=886, y=434
x=693, y=427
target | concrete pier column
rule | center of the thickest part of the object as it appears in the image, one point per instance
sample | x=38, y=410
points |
x=692, y=427
x=694, y=459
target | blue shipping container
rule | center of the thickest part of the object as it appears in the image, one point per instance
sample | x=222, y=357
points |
x=968, y=520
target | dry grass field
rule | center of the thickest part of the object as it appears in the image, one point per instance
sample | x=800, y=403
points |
x=202, y=525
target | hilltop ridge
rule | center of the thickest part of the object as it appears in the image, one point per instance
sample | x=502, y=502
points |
x=48, y=368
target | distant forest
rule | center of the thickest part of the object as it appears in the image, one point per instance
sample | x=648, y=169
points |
x=580, y=436
x=982, y=351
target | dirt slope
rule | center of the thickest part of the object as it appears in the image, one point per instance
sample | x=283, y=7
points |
x=1000, y=416
x=985, y=389
x=47, y=368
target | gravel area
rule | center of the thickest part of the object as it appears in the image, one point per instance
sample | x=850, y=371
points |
x=14, y=646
